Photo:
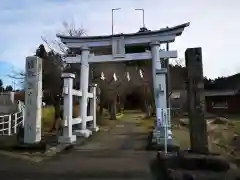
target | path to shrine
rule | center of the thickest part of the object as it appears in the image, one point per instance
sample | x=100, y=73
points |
x=116, y=152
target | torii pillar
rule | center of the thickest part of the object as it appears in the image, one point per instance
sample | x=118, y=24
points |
x=161, y=134
x=83, y=103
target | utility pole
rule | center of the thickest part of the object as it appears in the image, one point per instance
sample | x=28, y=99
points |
x=143, y=16
x=115, y=9
x=14, y=85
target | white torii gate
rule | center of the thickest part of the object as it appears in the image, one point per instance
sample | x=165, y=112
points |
x=118, y=43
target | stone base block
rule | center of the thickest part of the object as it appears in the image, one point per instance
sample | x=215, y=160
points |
x=161, y=141
x=83, y=133
x=95, y=129
x=67, y=140
x=184, y=165
x=161, y=138
x=152, y=144
x=161, y=132
x=158, y=136
x=41, y=146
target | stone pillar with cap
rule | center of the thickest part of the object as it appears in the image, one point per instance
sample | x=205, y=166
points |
x=67, y=136
x=84, y=80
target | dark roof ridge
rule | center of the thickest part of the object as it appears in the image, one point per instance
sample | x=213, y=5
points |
x=162, y=30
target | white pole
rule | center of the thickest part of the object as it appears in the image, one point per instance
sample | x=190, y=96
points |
x=9, y=125
x=15, y=123
x=93, y=107
x=143, y=16
x=84, y=86
x=115, y=9
x=164, y=116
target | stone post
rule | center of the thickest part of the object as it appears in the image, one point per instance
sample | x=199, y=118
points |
x=195, y=89
x=93, y=108
x=67, y=136
x=11, y=97
x=33, y=100
x=159, y=84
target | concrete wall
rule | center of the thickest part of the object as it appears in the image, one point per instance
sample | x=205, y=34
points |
x=7, y=103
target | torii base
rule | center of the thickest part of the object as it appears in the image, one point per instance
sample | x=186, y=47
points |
x=67, y=140
x=158, y=136
x=95, y=129
x=83, y=133
x=156, y=141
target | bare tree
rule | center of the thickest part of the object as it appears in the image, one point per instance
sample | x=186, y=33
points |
x=69, y=29
x=113, y=84
x=178, y=62
x=108, y=83
x=53, y=66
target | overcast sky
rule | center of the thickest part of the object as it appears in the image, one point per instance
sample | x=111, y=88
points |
x=215, y=26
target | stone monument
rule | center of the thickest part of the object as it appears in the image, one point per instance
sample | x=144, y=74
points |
x=195, y=89
x=33, y=100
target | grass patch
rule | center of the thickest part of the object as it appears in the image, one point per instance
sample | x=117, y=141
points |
x=181, y=137
x=119, y=115
x=236, y=127
x=220, y=136
x=47, y=117
x=147, y=123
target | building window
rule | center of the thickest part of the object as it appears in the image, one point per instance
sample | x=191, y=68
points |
x=220, y=105
x=175, y=96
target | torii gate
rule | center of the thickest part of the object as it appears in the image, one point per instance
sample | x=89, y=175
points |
x=116, y=45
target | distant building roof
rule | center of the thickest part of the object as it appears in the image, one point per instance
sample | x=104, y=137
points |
x=220, y=92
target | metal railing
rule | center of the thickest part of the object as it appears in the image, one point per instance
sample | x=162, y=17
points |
x=10, y=122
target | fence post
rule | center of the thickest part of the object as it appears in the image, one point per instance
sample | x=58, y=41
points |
x=23, y=116
x=9, y=125
x=15, y=123
x=93, y=107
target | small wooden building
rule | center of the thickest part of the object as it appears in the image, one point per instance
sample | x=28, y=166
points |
x=222, y=101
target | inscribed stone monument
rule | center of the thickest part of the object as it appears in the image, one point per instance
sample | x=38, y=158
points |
x=195, y=89
x=33, y=100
